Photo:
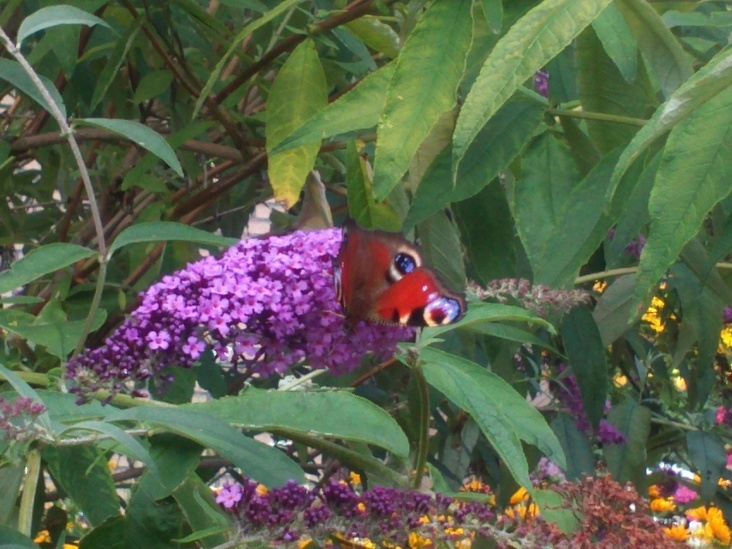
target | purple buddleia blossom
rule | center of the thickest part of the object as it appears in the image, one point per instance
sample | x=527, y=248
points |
x=266, y=304
x=568, y=394
x=541, y=82
x=727, y=315
x=537, y=298
x=18, y=419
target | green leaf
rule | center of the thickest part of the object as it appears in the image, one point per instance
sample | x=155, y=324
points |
x=259, y=461
x=428, y=71
x=208, y=521
x=502, y=414
x=359, y=109
x=480, y=313
x=361, y=204
x=11, y=477
x=618, y=41
x=528, y=45
x=311, y=413
x=175, y=459
x=62, y=407
x=298, y=92
x=613, y=310
x=586, y=354
x=665, y=56
x=692, y=177
x=152, y=84
x=110, y=534
x=140, y=134
x=280, y=8
x=375, y=34
x=10, y=538
x=712, y=79
x=115, y=60
x=633, y=217
x=14, y=73
x=706, y=451
x=53, y=16
x=576, y=446
x=493, y=11
x=156, y=231
x=43, y=260
x=554, y=509
x=25, y=390
x=441, y=250
x=495, y=147
x=126, y=443
x=58, y=335
x=543, y=202
x=82, y=472
x=603, y=89
x=627, y=461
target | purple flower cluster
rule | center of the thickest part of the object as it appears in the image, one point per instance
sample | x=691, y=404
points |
x=266, y=304
x=634, y=247
x=723, y=416
x=18, y=418
x=727, y=314
x=541, y=82
x=547, y=472
x=570, y=397
x=540, y=299
x=378, y=514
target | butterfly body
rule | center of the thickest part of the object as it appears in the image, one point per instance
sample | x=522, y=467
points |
x=380, y=277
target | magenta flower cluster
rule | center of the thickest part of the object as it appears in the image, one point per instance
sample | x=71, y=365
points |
x=18, y=418
x=378, y=514
x=266, y=304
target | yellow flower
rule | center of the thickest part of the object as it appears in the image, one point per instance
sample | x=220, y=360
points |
x=520, y=495
x=361, y=506
x=620, y=380
x=661, y=505
x=600, y=286
x=261, y=490
x=355, y=478
x=678, y=532
x=474, y=484
x=718, y=526
x=302, y=544
x=653, y=315
x=465, y=543
x=726, y=335
x=43, y=537
x=454, y=531
x=522, y=511
x=418, y=542
x=654, y=491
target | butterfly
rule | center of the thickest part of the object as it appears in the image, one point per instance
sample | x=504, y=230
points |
x=380, y=276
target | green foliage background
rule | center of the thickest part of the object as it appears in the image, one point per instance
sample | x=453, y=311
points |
x=417, y=116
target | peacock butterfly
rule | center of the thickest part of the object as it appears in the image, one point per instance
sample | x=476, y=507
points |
x=380, y=277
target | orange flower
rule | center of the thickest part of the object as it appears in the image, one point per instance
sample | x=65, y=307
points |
x=661, y=505
x=698, y=513
x=719, y=527
x=678, y=532
x=520, y=495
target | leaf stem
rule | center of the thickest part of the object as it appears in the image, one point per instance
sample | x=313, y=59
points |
x=604, y=274
x=83, y=172
x=30, y=485
x=424, y=426
x=598, y=116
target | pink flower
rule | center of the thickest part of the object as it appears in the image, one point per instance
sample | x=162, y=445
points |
x=229, y=495
x=684, y=495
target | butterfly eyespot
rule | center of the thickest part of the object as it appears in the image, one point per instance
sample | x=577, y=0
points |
x=402, y=264
x=442, y=311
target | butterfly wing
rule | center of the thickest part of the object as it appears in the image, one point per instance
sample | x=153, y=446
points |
x=380, y=277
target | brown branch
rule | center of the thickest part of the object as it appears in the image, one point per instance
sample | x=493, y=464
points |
x=28, y=142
